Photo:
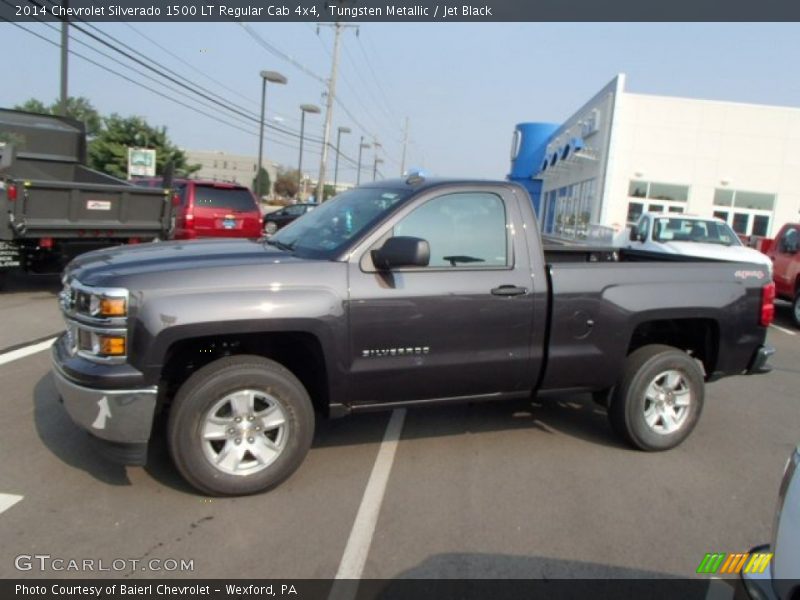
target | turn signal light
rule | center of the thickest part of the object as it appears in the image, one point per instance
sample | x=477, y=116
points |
x=111, y=346
x=112, y=307
x=11, y=192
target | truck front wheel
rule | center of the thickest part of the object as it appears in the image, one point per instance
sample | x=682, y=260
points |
x=658, y=399
x=240, y=425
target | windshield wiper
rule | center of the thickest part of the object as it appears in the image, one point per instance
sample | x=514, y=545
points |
x=281, y=245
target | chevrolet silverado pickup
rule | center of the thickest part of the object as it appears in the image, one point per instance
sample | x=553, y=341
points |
x=395, y=294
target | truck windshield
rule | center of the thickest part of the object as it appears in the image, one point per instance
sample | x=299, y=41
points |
x=325, y=231
x=675, y=229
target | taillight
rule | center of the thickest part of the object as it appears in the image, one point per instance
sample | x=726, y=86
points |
x=11, y=192
x=46, y=243
x=189, y=216
x=767, y=304
x=176, y=200
x=133, y=240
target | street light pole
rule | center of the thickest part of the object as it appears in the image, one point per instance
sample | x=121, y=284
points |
x=304, y=108
x=361, y=146
x=274, y=77
x=64, y=95
x=378, y=161
x=336, y=167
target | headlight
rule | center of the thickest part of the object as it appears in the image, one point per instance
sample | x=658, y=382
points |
x=108, y=306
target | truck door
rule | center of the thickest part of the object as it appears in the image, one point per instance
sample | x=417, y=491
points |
x=783, y=254
x=460, y=326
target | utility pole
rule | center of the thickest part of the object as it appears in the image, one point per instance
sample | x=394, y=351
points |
x=326, y=133
x=405, y=143
x=62, y=105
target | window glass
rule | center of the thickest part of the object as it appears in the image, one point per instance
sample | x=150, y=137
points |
x=635, y=210
x=668, y=191
x=721, y=214
x=463, y=230
x=760, y=225
x=223, y=197
x=740, y=221
x=754, y=200
x=655, y=208
x=637, y=189
x=723, y=197
x=644, y=228
x=676, y=209
x=677, y=229
x=295, y=211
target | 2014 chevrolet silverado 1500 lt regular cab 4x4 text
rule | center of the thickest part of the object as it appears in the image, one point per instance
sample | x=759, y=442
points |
x=397, y=293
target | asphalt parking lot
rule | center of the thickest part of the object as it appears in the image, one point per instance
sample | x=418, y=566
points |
x=486, y=490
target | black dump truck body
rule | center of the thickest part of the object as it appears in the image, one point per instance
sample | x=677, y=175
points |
x=395, y=294
x=53, y=207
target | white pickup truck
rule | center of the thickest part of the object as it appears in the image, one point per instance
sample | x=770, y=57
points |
x=686, y=235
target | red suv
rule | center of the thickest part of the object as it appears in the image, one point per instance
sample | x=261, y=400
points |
x=212, y=209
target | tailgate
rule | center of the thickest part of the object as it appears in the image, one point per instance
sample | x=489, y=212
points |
x=70, y=209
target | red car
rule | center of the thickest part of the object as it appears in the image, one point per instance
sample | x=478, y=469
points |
x=786, y=266
x=212, y=209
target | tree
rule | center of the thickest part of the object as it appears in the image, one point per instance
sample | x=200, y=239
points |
x=79, y=108
x=263, y=189
x=108, y=152
x=328, y=191
x=286, y=183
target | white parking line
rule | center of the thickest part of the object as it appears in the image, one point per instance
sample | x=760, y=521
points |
x=357, y=549
x=26, y=351
x=7, y=501
x=783, y=329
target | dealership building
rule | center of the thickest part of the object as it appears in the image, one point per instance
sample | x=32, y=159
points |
x=623, y=153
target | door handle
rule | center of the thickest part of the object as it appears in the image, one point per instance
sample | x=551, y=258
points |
x=509, y=290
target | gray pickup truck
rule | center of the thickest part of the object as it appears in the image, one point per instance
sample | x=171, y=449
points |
x=397, y=293
x=53, y=207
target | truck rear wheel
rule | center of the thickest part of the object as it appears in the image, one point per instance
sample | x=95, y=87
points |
x=658, y=399
x=240, y=425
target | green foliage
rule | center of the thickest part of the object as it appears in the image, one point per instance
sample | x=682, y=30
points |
x=263, y=189
x=108, y=152
x=79, y=108
x=328, y=191
x=286, y=183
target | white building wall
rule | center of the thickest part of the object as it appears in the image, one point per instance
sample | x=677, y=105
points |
x=706, y=145
x=222, y=166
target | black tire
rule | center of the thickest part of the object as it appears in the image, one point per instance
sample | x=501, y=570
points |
x=647, y=366
x=796, y=310
x=211, y=385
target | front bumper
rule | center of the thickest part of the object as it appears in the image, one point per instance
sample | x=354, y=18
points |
x=759, y=362
x=121, y=419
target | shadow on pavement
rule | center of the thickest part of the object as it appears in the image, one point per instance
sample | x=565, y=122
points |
x=783, y=316
x=17, y=281
x=501, y=576
x=67, y=441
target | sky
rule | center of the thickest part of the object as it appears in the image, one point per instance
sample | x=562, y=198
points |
x=463, y=87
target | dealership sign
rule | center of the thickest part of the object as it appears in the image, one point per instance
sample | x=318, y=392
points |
x=141, y=162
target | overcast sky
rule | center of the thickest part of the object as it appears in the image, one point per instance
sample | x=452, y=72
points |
x=462, y=86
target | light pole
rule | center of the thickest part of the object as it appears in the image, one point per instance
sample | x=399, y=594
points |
x=377, y=145
x=304, y=108
x=361, y=147
x=336, y=166
x=272, y=77
x=378, y=161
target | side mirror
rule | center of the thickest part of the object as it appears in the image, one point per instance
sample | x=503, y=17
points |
x=634, y=236
x=402, y=252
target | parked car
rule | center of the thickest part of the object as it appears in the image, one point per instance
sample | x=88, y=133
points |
x=281, y=218
x=786, y=266
x=781, y=579
x=688, y=235
x=212, y=209
x=396, y=293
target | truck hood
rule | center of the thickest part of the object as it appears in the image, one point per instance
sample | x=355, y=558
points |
x=116, y=266
x=717, y=251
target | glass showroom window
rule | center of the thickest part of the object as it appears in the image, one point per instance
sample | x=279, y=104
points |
x=748, y=213
x=661, y=197
x=573, y=210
